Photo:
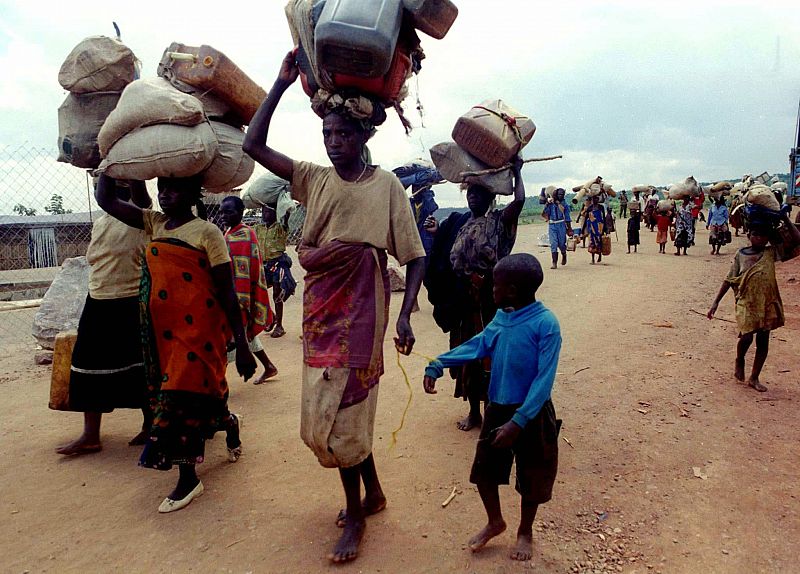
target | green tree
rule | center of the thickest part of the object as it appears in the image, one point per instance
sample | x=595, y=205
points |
x=56, y=206
x=20, y=209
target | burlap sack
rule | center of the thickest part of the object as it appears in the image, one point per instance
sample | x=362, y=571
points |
x=686, y=189
x=608, y=189
x=145, y=103
x=588, y=184
x=721, y=186
x=762, y=196
x=640, y=188
x=98, y=64
x=265, y=190
x=665, y=205
x=80, y=119
x=231, y=167
x=779, y=186
x=162, y=150
x=451, y=161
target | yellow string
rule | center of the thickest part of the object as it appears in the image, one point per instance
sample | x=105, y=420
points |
x=410, y=395
x=408, y=403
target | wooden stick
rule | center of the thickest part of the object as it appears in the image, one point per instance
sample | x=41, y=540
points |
x=566, y=440
x=579, y=370
x=450, y=498
x=18, y=305
x=717, y=318
x=492, y=170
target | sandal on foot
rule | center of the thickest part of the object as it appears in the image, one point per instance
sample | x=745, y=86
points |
x=169, y=505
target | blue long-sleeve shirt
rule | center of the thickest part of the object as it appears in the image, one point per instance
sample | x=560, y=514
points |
x=717, y=215
x=524, y=347
x=557, y=212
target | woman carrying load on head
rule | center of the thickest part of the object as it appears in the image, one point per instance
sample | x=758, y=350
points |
x=684, y=227
x=595, y=227
x=107, y=370
x=346, y=295
x=189, y=313
x=718, y=224
x=736, y=218
x=459, y=280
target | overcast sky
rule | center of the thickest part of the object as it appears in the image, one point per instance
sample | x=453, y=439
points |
x=635, y=91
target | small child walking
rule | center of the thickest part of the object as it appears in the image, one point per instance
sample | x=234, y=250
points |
x=634, y=225
x=523, y=341
x=663, y=223
x=759, y=308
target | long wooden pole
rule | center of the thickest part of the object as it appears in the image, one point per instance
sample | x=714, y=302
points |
x=492, y=170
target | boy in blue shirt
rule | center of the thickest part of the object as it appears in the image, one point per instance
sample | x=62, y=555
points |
x=523, y=340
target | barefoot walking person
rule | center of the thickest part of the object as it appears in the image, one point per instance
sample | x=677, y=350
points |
x=684, y=227
x=248, y=280
x=524, y=341
x=272, y=237
x=595, y=227
x=634, y=225
x=346, y=295
x=107, y=367
x=718, y=223
x=189, y=312
x=759, y=308
x=559, y=225
x=663, y=224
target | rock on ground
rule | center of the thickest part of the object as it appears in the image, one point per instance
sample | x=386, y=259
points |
x=62, y=305
x=397, y=279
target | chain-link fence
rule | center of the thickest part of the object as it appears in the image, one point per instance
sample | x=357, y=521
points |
x=46, y=214
x=47, y=210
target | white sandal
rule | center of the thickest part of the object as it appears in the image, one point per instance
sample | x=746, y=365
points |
x=169, y=505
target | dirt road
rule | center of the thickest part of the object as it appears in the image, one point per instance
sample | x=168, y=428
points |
x=646, y=407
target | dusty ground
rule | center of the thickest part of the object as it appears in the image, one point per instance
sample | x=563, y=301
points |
x=650, y=403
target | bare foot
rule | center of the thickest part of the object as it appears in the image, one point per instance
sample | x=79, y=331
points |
x=347, y=547
x=757, y=385
x=738, y=370
x=523, y=549
x=269, y=372
x=370, y=507
x=469, y=422
x=139, y=439
x=489, y=531
x=553, y=266
x=80, y=446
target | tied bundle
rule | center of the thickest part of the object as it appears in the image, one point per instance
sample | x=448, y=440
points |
x=486, y=139
x=95, y=72
x=185, y=123
x=340, y=58
x=592, y=188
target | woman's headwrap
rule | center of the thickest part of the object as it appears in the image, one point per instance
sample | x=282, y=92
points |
x=359, y=108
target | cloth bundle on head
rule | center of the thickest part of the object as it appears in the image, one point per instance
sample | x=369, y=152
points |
x=355, y=106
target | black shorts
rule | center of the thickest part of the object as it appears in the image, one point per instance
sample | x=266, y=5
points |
x=535, y=452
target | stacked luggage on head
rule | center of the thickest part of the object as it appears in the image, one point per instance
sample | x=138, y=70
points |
x=487, y=138
x=363, y=49
x=187, y=121
x=95, y=72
